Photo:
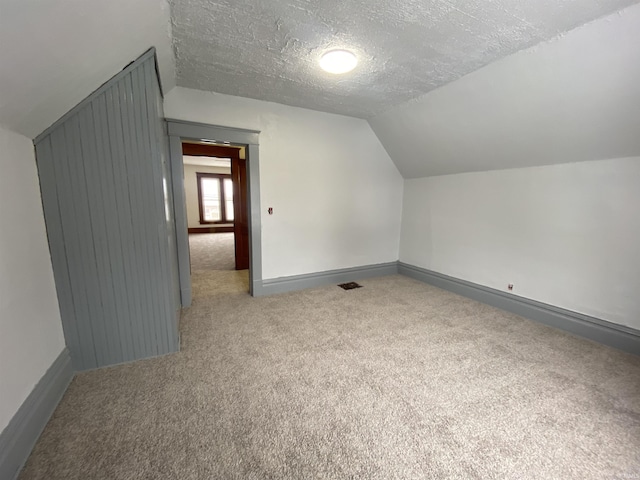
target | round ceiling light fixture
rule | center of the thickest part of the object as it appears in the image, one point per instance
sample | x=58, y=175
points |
x=338, y=61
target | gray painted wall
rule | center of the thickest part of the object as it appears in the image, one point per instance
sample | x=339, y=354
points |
x=103, y=174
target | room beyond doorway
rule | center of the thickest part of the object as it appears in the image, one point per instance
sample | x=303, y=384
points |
x=215, y=179
x=213, y=265
x=184, y=131
x=215, y=186
x=212, y=251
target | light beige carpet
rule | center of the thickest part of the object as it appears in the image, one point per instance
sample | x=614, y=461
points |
x=396, y=380
x=212, y=251
x=213, y=264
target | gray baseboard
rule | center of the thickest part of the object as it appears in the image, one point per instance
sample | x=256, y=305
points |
x=614, y=335
x=19, y=437
x=320, y=279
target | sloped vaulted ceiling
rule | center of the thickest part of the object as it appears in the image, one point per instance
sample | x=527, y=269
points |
x=575, y=98
x=438, y=80
x=55, y=53
x=269, y=50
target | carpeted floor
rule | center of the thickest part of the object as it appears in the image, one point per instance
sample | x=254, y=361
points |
x=212, y=251
x=395, y=380
x=213, y=265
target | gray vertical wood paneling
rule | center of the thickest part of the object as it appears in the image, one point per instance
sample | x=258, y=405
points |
x=97, y=205
x=180, y=212
x=115, y=236
x=136, y=208
x=123, y=217
x=87, y=264
x=106, y=228
x=165, y=226
x=167, y=236
x=61, y=155
x=146, y=123
x=49, y=192
x=103, y=179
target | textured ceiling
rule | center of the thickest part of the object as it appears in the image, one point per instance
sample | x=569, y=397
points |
x=269, y=50
x=571, y=99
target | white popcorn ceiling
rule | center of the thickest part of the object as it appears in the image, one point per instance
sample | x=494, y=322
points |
x=270, y=50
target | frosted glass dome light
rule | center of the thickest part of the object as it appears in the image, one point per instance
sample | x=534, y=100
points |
x=338, y=61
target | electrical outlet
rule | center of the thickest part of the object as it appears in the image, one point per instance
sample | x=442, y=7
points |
x=510, y=286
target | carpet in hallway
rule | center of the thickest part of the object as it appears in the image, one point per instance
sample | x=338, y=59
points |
x=212, y=251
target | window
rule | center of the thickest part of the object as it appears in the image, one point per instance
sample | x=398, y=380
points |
x=215, y=198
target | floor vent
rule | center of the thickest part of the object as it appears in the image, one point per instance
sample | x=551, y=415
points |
x=350, y=285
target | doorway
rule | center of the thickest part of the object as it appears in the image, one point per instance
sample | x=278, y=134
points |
x=216, y=194
x=229, y=207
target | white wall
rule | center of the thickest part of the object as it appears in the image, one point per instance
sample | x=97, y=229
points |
x=571, y=99
x=56, y=53
x=566, y=235
x=335, y=192
x=191, y=191
x=30, y=328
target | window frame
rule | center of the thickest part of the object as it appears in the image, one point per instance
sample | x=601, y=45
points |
x=223, y=199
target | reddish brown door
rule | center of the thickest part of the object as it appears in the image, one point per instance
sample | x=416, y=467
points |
x=240, y=212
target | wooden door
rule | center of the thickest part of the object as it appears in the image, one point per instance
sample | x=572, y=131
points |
x=240, y=212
